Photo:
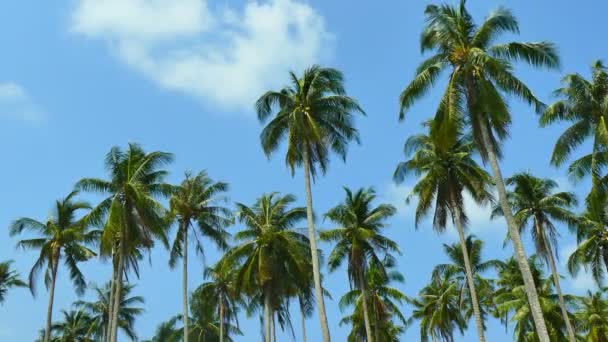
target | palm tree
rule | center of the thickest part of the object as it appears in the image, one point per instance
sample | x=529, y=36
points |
x=167, y=332
x=385, y=300
x=592, y=236
x=134, y=217
x=75, y=327
x=448, y=169
x=359, y=240
x=438, y=310
x=196, y=204
x=99, y=311
x=271, y=258
x=511, y=301
x=62, y=236
x=481, y=74
x=221, y=293
x=315, y=116
x=457, y=271
x=535, y=202
x=584, y=103
x=592, y=315
x=8, y=279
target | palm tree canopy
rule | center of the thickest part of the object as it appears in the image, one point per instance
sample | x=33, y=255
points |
x=63, y=235
x=447, y=169
x=313, y=113
x=480, y=70
x=584, y=103
x=199, y=199
x=592, y=315
x=9, y=278
x=76, y=326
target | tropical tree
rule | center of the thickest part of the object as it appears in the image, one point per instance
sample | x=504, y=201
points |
x=584, y=103
x=133, y=216
x=591, y=252
x=315, y=116
x=512, y=304
x=535, y=202
x=480, y=75
x=221, y=292
x=457, y=271
x=592, y=315
x=167, y=331
x=63, y=236
x=383, y=298
x=9, y=278
x=437, y=307
x=75, y=327
x=196, y=206
x=359, y=240
x=99, y=310
x=447, y=170
x=271, y=258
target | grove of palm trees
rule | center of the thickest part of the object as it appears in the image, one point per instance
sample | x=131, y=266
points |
x=302, y=263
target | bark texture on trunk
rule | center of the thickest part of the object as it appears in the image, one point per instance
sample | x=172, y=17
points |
x=221, y=320
x=185, y=282
x=314, y=253
x=49, y=311
x=520, y=254
x=469, y=271
x=368, y=325
x=108, y=328
x=267, y=316
x=118, y=292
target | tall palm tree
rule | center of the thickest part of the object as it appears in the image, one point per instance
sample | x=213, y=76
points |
x=512, y=303
x=75, y=327
x=196, y=205
x=591, y=252
x=584, y=103
x=384, y=300
x=8, y=279
x=167, y=332
x=315, y=116
x=592, y=315
x=438, y=310
x=133, y=216
x=457, y=270
x=271, y=257
x=535, y=202
x=62, y=237
x=99, y=311
x=359, y=240
x=448, y=170
x=480, y=74
x=221, y=293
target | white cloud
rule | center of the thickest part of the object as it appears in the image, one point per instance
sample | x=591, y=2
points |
x=583, y=280
x=16, y=103
x=226, y=56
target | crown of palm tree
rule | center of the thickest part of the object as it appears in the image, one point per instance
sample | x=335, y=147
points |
x=8, y=279
x=592, y=315
x=76, y=326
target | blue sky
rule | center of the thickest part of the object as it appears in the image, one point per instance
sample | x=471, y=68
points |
x=79, y=76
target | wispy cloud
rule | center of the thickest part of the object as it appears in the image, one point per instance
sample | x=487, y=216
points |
x=16, y=103
x=227, y=56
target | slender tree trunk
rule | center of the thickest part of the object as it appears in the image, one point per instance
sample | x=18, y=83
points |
x=520, y=254
x=314, y=253
x=302, y=319
x=118, y=289
x=469, y=272
x=49, y=311
x=274, y=328
x=221, y=320
x=185, y=282
x=108, y=326
x=558, y=289
x=366, y=320
x=267, y=316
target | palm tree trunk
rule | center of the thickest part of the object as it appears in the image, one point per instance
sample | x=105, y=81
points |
x=314, y=253
x=108, y=326
x=118, y=290
x=49, y=312
x=274, y=330
x=221, y=320
x=558, y=289
x=468, y=269
x=368, y=325
x=302, y=319
x=267, y=316
x=185, y=282
x=520, y=254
